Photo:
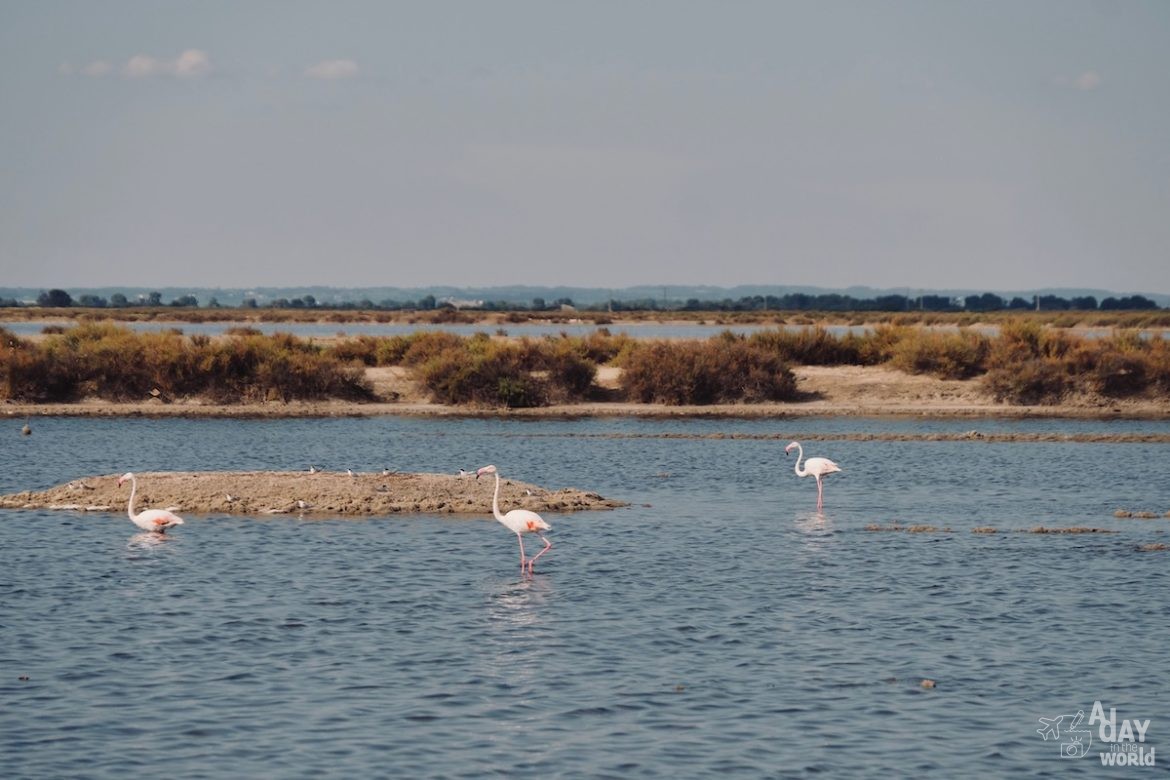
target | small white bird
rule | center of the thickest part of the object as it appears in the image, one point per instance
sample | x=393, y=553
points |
x=387, y=472
x=463, y=473
x=816, y=467
x=350, y=472
x=303, y=504
x=156, y=520
x=228, y=497
x=313, y=469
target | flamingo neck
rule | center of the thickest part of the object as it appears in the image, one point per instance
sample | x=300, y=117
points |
x=799, y=457
x=130, y=503
x=496, y=500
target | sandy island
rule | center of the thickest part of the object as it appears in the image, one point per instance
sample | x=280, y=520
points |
x=303, y=493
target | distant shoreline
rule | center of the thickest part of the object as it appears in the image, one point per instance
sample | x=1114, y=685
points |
x=1156, y=319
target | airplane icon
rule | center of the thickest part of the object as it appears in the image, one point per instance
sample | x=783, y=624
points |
x=1050, y=727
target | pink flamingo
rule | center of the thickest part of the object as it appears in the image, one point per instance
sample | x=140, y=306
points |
x=817, y=467
x=157, y=520
x=518, y=521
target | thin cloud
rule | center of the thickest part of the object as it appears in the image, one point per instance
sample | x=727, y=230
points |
x=142, y=66
x=1088, y=80
x=95, y=69
x=192, y=63
x=332, y=69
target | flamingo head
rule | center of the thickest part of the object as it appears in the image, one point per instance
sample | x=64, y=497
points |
x=790, y=447
x=485, y=470
x=125, y=478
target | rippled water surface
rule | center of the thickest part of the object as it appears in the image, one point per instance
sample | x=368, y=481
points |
x=716, y=625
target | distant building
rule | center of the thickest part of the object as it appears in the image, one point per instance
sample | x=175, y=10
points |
x=460, y=303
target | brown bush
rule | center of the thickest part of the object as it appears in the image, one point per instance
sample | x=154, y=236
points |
x=943, y=354
x=1030, y=381
x=813, y=346
x=484, y=373
x=115, y=363
x=423, y=346
x=725, y=369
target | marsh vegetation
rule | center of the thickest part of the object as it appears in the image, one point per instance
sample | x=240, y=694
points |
x=1023, y=362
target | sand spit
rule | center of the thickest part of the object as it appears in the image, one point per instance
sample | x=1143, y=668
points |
x=919, y=529
x=301, y=492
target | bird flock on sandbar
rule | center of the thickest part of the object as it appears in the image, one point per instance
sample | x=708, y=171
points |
x=518, y=521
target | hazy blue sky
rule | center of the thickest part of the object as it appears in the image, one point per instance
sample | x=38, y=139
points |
x=991, y=144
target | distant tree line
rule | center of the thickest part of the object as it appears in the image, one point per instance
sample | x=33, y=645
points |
x=892, y=303
x=987, y=302
x=60, y=299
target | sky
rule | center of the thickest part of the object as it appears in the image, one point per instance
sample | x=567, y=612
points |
x=921, y=144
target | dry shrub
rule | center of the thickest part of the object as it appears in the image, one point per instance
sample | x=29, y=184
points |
x=29, y=372
x=494, y=372
x=482, y=372
x=570, y=371
x=362, y=349
x=1124, y=364
x=879, y=345
x=424, y=346
x=1158, y=364
x=447, y=314
x=942, y=354
x=279, y=367
x=117, y=364
x=242, y=330
x=1026, y=364
x=602, y=347
x=725, y=369
x=1031, y=381
x=808, y=346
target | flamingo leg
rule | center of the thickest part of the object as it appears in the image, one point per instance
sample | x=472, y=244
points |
x=547, y=546
x=820, y=493
x=520, y=539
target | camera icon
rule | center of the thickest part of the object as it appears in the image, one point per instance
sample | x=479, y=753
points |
x=1074, y=748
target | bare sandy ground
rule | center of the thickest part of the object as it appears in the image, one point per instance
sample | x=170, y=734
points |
x=304, y=493
x=824, y=391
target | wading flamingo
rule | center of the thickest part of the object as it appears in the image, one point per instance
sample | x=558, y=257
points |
x=157, y=520
x=518, y=521
x=817, y=467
